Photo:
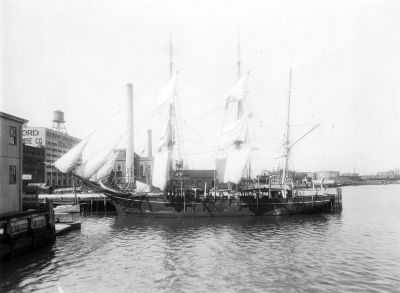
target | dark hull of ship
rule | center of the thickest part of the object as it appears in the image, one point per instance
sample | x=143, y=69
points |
x=158, y=206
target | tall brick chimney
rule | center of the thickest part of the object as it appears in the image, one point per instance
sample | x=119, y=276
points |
x=149, y=143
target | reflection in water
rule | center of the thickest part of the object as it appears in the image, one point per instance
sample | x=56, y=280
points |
x=353, y=251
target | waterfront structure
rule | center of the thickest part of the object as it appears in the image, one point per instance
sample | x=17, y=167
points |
x=10, y=163
x=56, y=142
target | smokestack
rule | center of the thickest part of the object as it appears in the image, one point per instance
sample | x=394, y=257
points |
x=130, y=155
x=149, y=144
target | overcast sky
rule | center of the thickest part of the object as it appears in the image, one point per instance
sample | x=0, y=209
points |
x=77, y=56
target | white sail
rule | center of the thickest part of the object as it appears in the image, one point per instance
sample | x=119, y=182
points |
x=92, y=164
x=160, y=169
x=167, y=93
x=234, y=149
x=237, y=92
x=105, y=170
x=142, y=187
x=164, y=135
x=68, y=162
x=234, y=133
x=231, y=166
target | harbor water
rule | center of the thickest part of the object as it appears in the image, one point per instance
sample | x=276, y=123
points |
x=355, y=251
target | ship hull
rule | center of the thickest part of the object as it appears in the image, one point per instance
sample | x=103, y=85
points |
x=143, y=206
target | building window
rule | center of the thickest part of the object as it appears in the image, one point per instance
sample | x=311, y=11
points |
x=12, y=174
x=141, y=170
x=13, y=135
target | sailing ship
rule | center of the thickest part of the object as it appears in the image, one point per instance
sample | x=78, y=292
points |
x=169, y=198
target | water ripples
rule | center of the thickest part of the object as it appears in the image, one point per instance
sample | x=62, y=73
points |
x=356, y=251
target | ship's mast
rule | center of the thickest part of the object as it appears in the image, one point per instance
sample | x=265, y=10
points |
x=287, y=146
x=240, y=102
x=239, y=72
x=171, y=64
x=171, y=141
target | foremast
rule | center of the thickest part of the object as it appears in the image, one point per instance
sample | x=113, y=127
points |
x=172, y=123
x=232, y=162
x=286, y=145
x=163, y=169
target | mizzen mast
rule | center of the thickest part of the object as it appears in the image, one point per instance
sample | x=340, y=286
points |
x=171, y=140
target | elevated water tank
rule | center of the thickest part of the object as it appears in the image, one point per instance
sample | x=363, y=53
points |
x=58, y=116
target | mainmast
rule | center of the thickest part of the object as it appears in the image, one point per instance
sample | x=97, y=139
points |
x=171, y=140
x=130, y=155
x=287, y=145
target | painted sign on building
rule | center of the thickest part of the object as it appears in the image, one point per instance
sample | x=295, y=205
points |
x=26, y=176
x=34, y=136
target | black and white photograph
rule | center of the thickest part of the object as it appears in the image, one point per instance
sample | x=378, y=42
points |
x=199, y=146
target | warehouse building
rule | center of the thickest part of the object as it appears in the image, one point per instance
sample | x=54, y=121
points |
x=10, y=163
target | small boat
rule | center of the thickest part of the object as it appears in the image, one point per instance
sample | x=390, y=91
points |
x=70, y=208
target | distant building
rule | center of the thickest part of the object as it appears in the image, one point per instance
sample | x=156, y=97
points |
x=197, y=178
x=143, y=165
x=145, y=169
x=10, y=163
x=349, y=178
x=391, y=174
x=120, y=166
x=142, y=170
x=33, y=169
x=56, y=144
x=328, y=175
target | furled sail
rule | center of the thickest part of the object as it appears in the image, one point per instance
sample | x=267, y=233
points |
x=69, y=161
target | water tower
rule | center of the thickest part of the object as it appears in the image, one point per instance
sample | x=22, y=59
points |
x=59, y=122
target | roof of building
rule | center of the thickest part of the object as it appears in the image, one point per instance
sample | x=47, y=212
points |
x=12, y=117
x=199, y=173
